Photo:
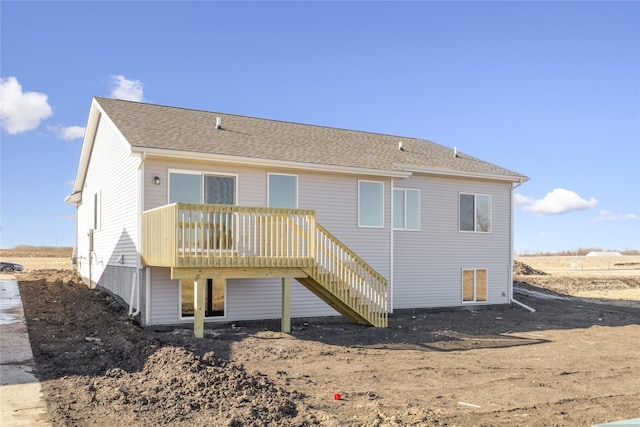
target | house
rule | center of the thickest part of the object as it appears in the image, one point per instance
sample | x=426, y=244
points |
x=195, y=216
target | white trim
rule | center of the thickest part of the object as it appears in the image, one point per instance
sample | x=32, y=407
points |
x=511, y=254
x=475, y=296
x=97, y=210
x=382, y=204
x=459, y=173
x=185, y=172
x=203, y=174
x=474, y=231
x=96, y=114
x=404, y=190
x=236, y=179
x=138, y=242
x=147, y=296
x=391, y=252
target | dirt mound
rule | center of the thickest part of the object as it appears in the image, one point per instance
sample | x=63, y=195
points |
x=522, y=269
x=54, y=276
x=428, y=368
x=176, y=385
x=112, y=366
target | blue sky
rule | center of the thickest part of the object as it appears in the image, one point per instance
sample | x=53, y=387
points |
x=548, y=89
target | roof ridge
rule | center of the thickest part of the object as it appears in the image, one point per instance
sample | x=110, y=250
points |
x=189, y=130
x=275, y=120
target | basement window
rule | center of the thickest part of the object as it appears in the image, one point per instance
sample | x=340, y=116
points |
x=474, y=285
x=214, y=298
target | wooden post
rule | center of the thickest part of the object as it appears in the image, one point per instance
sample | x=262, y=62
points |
x=286, y=305
x=198, y=306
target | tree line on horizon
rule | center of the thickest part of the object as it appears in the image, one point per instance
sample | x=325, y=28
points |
x=578, y=252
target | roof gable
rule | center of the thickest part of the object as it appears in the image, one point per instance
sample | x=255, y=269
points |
x=194, y=133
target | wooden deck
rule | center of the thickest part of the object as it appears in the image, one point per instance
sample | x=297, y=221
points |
x=221, y=241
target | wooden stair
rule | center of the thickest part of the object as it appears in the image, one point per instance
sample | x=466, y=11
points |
x=346, y=282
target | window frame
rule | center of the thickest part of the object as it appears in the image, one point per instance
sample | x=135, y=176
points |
x=381, y=202
x=405, y=209
x=475, y=212
x=475, y=286
x=97, y=210
x=210, y=317
x=297, y=198
x=220, y=175
x=202, y=175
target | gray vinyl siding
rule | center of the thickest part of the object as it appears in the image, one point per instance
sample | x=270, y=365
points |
x=428, y=264
x=247, y=299
x=118, y=280
x=243, y=294
x=335, y=199
x=165, y=297
x=113, y=175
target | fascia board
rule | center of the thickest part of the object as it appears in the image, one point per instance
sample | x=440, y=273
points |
x=95, y=114
x=85, y=153
x=74, y=198
x=164, y=153
x=461, y=174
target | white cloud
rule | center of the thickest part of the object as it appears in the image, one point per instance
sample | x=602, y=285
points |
x=521, y=200
x=68, y=132
x=21, y=111
x=128, y=90
x=558, y=201
x=610, y=216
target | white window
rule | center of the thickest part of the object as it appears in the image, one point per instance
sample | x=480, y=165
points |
x=283, y=191
x=185, y=187
x=97, y=210
x=370, y=204
x=474, y=285
x=195, y=187
x=406, y=209
x=215, y=189
x=475, y=213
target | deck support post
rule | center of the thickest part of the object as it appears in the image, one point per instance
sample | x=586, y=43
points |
x=198, y=305
x=286, y=305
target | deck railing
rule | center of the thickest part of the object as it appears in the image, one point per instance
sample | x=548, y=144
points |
x=201, y=235
x=349, y=277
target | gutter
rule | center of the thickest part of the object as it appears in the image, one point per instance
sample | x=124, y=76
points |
x=520, y=179
x=513, y=300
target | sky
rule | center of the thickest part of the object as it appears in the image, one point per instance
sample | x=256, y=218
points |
x=548, y=89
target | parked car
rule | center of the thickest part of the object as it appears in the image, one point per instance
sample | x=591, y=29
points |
x=10, y=267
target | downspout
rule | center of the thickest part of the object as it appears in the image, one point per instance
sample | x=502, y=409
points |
x=391, y=251
x=134, y=288
x=513, y=300
x=138, y=275
x=147, y=278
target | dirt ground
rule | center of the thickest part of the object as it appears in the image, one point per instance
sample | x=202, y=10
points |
x=573, y=362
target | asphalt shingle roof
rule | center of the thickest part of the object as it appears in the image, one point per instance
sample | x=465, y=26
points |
x=194, y=131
